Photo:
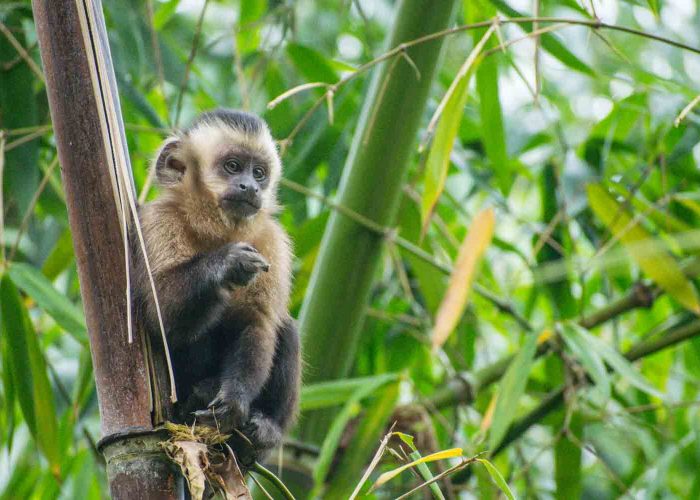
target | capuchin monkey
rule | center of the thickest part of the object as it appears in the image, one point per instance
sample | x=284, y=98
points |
x=222, y=268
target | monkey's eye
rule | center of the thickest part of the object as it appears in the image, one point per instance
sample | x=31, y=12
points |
x=259, y=173
x=232, y=166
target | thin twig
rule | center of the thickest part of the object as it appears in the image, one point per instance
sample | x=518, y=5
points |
x=190, y=61
x=27, y=138
x=681, y=116
x=22, y=51
x=155, y=47
x=30, y=208
x=464, y=463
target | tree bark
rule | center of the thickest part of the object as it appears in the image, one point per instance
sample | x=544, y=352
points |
x=135, y=466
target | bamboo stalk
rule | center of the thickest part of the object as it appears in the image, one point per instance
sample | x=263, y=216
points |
x=333, y=310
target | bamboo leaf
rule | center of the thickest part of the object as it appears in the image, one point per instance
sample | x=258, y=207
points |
x=337, y=392
x=374, y=421
x=63, y=311
x=351, y=408
x=512, y=388
x=248, y=36
x=30, y=375
x=311, y=64
x=447, y=117
x=470, y=252
x=60, y=257
x=576, y=339
x=164, y=12
x=620, y=364
x=497, y=477
x=440, y=455
x=491, y=127
x=658, y=264
x=423, y=469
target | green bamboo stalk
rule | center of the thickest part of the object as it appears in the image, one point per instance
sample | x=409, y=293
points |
x=333, y=311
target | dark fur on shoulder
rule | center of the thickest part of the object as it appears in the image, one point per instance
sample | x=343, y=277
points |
x=222, y=269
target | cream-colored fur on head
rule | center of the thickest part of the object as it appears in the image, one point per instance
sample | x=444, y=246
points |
x=199, y=148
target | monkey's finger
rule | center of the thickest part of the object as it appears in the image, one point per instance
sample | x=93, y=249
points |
x=247, y=247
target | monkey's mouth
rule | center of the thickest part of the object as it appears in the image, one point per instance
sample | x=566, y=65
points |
x=241, y=207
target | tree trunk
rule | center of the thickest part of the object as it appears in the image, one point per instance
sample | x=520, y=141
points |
x=135, y=465
x=333, y=310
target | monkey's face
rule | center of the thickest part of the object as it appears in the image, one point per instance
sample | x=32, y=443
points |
x=227, y=159
x=244, y=177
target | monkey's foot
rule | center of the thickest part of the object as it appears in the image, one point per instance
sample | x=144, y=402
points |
x=262, y=431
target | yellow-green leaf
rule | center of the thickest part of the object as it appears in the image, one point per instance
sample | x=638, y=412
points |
x=448, y=116
x=440, y=455
x=658, y=264
x=457, y=295
x=497, y=478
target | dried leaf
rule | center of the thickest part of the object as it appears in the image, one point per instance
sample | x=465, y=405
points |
x=457, y=295
x=193, y=462
x=227, y=476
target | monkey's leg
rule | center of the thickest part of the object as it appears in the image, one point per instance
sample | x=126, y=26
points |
x=275, y=408
x=245, y=368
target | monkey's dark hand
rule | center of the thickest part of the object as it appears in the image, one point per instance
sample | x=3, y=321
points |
x=224, y=412
x=242, y=263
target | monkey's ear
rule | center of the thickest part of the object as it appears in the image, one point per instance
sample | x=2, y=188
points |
x=169, y=168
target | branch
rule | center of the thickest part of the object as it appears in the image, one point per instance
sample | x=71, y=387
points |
x=462, y=390
x=401, y=50
x=554, y=399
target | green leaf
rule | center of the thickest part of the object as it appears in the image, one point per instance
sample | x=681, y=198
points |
x=351, y=408
x=567, y=460
x=19, y=110
x=63, y=311
x=375, y=419
x=650, y=254
x=60, y=258
x=28, y=368
x=448, y=116
x=620, y=364
x=313, y=65
x=491, y=127
x=164, y=12
x=337, y=392
x=497, y=477
x=9, y=394
x=621, y=119
x=248, y=38
x=576, y=339
x=512, y=388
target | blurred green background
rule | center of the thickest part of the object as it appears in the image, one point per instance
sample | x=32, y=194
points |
x=569, y=138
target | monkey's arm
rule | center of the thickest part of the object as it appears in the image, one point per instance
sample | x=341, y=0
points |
x=189, y=293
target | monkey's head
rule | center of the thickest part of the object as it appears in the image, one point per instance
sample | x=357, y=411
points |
x=226, y=159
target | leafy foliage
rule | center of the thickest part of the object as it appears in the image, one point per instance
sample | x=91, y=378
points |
x=594, y=194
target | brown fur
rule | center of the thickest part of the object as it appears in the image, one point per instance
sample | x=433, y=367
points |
x=185, y=224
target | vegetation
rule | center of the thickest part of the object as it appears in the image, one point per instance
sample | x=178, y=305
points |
x=500, y=295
